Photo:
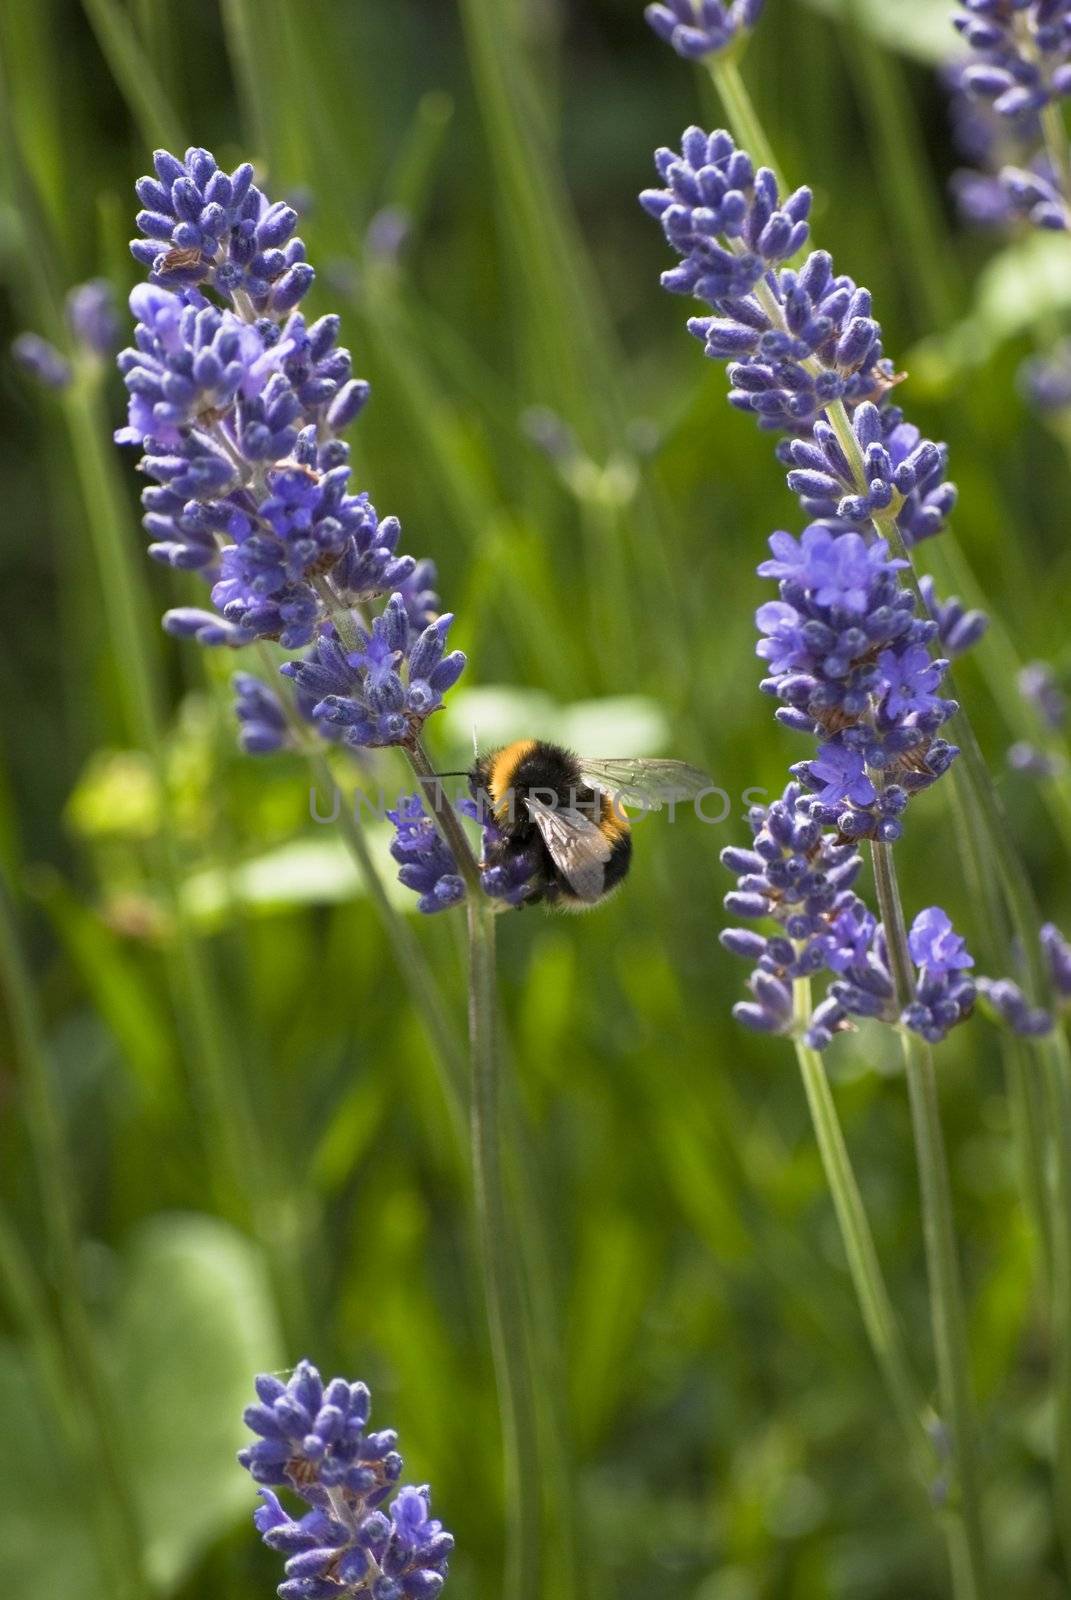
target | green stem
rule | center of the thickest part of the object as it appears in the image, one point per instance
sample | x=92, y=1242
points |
x=748, y=130
x=246, y=1178
x=114, y=1501
x=412, y=963
x=408, y=953
x=966, y=1545
x=875, y=1306
x=447, y=819
x=1057, y=1058
x=514, y=1340
x=949, y=1323
x=1057, y=147
x=892, y=916
x=507, y=1318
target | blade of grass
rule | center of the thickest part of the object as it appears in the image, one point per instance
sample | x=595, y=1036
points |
x=875, y=1305
x=132, y=70
x=116, y=1507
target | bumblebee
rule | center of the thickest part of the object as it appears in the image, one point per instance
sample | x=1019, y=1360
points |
x=568, y=811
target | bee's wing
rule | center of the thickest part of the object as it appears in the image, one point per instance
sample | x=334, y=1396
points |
x=577, y=847
x=638, y=782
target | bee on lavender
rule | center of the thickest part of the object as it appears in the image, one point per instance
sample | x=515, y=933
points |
x=565, y=814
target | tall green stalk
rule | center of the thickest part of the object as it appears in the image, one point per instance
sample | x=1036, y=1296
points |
x=115, y=1507
x=965, y=1530
x=412, y=963
x=250, y=1183
x=513, y=1337
x=128, y=617
x=966, y=1542
x=506, y=1314
x=744, y=120
x=1056, y=1054
x=949, y=1324
x=879, y=1318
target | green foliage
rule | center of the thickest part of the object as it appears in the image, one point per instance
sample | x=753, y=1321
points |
x=189, y=1319
x=266, y=1159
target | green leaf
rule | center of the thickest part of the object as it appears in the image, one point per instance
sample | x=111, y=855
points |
x=612, y=1291
x=1026, y=285
x=194, y=1323
x=45, y=1531
x=919, y=28
x=131, y=1009
x=621, y=725
x=616, y=725
x=316, y=870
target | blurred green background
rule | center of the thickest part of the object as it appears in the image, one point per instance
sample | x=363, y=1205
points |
x=268, y=1166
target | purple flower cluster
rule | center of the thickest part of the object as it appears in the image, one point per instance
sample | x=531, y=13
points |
x=944, y=993
x=202, y=225
x=1042, y=692
x=797, y=340
x=237, y=407
x=698, y=28
x=801, y=877
x=1020, y=52
x=382, y=692
x=957, y=629
x=92, y=328
x=425, y=863
x=429, y=869
x=1012, y=1007
x=314, y=1440
x=848, y=657
x=1009, y=1002
x=1019, y=64
x=1045, y=381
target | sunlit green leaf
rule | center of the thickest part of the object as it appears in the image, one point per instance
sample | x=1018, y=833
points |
x=194, y=1323
x=920, y=28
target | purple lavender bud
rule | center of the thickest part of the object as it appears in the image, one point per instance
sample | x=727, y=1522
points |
x=261, y=720
x=348, y=404
x=957, y=629
x=92, y=317
x=705, y=29
x=344, y=1474
x=935, y=945
x=1039, y=688
x=1026, y=758
x=1045, y=381
x=41, y=360
x=1058, y=954
x=1012, y=1007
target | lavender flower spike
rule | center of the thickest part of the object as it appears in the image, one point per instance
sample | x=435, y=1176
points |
x=429, y=869
x=944, y=994
x=1018, y=73
x=237, y=404
x=848, y=657
x=314, y=1441
x=41, y=361
x=706, y=27
x=1021, y=53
